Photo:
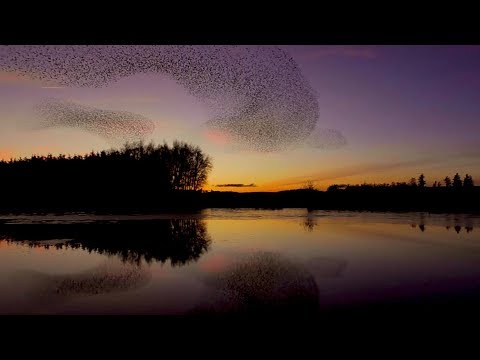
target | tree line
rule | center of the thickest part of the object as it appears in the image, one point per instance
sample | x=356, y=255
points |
x=414, y=183
x=136, y=168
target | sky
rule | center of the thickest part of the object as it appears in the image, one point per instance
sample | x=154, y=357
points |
x=403, y=110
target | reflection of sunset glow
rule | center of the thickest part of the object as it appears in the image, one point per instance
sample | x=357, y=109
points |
x=215, y=263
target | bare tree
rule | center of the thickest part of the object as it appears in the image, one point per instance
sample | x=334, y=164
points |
x=309, y=185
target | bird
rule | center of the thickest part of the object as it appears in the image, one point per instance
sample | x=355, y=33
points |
x=256, y=94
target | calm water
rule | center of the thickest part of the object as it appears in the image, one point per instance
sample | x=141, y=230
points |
x=222, y=260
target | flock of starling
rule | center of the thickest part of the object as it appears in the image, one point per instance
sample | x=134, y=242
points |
x=256, y=94
x=112, y=125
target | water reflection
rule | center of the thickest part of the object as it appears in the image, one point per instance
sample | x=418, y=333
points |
x=109, y=277
x=179, y=240
x=262, y=283
x=327, y=267
x=457, y=228
x=309, y=224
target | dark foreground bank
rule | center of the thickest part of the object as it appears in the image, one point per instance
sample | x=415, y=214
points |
x=403, y=324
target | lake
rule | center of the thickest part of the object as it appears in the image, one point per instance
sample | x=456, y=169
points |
x=233, y=261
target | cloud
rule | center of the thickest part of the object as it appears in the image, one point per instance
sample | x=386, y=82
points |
x=362, y=169
x=236, y=185
x=430, y=162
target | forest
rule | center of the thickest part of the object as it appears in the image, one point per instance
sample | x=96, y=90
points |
x=456, y=195
x=147, y=178
x=137, y=174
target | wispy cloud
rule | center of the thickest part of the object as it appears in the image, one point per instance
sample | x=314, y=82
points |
x=361, y=170
x=364, y=169
x=53, y=87
x=236, y=185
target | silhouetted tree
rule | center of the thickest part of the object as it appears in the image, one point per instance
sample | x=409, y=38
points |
x=413, y=182
x=457, y=182
x=188, y=167
x=421, y=181
x=335, y=187
x=468, y=182
x=309, y=185
x=135, y=171
x=448, y=182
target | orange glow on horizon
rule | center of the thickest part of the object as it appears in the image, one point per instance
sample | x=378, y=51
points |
x=215, y=263
x=6, y=154
x=300, y=182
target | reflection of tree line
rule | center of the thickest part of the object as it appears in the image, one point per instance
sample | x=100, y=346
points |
x=177, y=240
x=309, y=224
x=457, y=228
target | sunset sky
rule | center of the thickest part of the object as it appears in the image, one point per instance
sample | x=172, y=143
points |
x=403, y=110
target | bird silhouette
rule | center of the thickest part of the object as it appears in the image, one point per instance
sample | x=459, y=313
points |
x=256, y=94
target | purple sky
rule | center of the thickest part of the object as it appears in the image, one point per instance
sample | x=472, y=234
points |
x=403, y=110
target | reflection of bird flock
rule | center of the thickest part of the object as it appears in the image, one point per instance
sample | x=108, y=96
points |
x=262, y=282
x=103, y=279
x=256, y=94
x=109, y=277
